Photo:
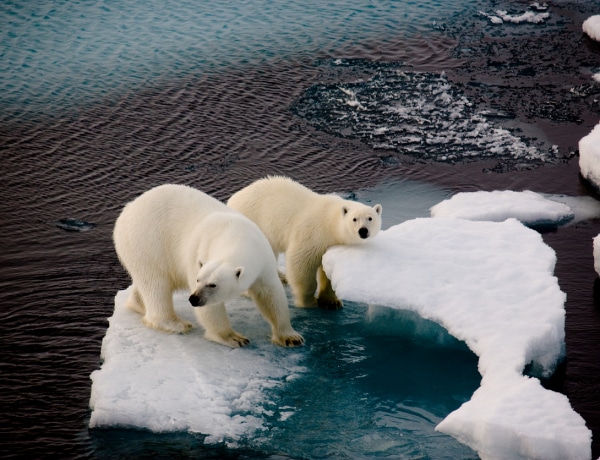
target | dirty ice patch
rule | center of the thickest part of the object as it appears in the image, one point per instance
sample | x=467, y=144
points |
x=532, y=209
x=589, y=156
x=419, y=114
x=173, y=382
x=531, y=17
x=591, y=26
x=492, y=286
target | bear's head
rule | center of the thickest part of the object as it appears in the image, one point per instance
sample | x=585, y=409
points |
x=360, y=222
x=216, y=282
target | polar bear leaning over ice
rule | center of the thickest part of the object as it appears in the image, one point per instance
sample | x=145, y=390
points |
x=176, y=237
x=303, y=225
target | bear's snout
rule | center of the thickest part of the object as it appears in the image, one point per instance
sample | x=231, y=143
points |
x=196, y=301
x=363, y=232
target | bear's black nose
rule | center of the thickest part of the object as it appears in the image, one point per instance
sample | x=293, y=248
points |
x=195, y=301
x=363, y=232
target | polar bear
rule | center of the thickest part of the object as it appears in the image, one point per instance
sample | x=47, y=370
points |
x=176, y=237
x=303, y=224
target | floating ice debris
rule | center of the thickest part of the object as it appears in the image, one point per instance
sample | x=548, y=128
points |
x=589, y=156
x=493, y=19
x=591, y=26
x=415, y=113
x=536, y=6
x=502, y=16
x=528, y=16
x=74, y=225
x=532, y=209
x=491, y=285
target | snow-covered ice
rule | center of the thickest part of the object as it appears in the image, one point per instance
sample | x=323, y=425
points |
x=169, y=382
x=491, y=285
x=591, y=26
x=589, y=156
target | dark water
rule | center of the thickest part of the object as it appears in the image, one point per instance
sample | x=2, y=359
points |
x=72, y=156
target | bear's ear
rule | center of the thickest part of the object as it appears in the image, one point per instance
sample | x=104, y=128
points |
x=378, y=209
x=238, y=272
x=344, y=210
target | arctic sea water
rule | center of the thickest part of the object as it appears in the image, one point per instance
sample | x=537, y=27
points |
x=61, y=54
x=374, y=385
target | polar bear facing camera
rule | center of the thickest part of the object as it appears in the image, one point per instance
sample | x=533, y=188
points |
x=175, y=237
x=303, y=225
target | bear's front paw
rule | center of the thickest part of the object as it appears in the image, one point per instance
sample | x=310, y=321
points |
x=231, y=339
x=330, y=304
x=290, y=340
x=177, y=326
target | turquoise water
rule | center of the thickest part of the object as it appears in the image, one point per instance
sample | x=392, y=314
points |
x=59, y=54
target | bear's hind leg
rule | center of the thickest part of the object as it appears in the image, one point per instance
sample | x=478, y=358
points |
x=326, y=297
x=159, y=312
x=214, y=320
x=301, y=274
x=272, y=303
x=134, y=301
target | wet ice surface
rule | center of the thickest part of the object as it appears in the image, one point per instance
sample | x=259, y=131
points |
x=414, y=113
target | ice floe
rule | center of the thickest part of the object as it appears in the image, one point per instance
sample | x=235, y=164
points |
x=491, y=285
x=529, y=207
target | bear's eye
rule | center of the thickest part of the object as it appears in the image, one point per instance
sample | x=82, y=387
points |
x=354, y=220
x=211, y=285
x=370, y=219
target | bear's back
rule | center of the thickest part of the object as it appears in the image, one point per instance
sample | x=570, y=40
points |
x=164, y=214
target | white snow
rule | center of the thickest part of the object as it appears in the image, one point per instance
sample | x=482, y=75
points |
x=589, y=156
x=491, y=285
x=591, y=26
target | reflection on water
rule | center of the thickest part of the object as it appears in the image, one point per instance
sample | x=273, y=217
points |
x=62, y=54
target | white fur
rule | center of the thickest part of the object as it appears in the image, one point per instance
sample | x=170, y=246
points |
x=175, y=237
x=303, y=225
